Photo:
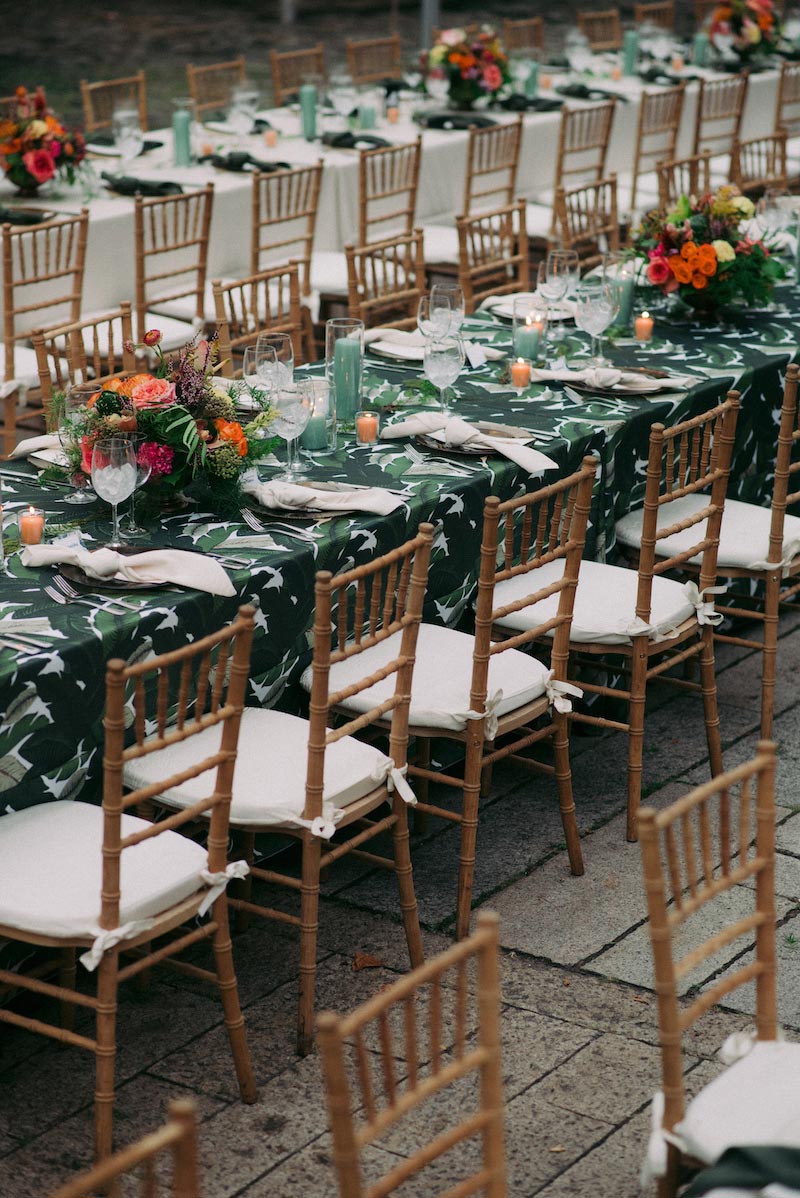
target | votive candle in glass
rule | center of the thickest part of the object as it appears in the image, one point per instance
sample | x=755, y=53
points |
x=520, y=373
x=367, y=425
x=31, y=526
x=643, y=327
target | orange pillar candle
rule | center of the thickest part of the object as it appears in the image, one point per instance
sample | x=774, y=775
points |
x=271, y=138
x=392, y=114
x=31, y=526
x=643, y=327
x=520, y=373
x=367, y=428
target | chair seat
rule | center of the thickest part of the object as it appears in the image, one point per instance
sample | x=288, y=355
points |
x=605, y=603
x=646, y=192
x=174, y=333
x=269, y=787
x=329, y=272
x=744, y=537
x=51, y=870
x=440, y=691
x=538, y=220
x=755, y=1101
x=26, y=371
x=440, y=243
x=186, y=307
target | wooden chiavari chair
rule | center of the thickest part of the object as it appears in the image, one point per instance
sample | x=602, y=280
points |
x=493, y=254
x=527, y=34
x=787, y=107
x=482, y=691
x=437, y=1053
x=759, y=163
x=650, y=621
x=583, y=141
x=660, y=13
x=211, y=87
x=290, y=67
x=757, y=543
x=322, y=780
x=374, y=59
x=603, y=29
x=43, y=268
x=100, y=99
x=265, y=302
x=176, y=1141
x=715, y=842
x=656, y=140
x=718, y=120
x=386, y=280
x=689, y=176
x=587, y=220
x=171, y=250
x=70, y=880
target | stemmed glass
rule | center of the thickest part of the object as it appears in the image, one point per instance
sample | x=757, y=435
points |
x=114, y=477
x=443, y=361
x=128, y=135
x=554, y=279
x=294, y=402
x=454, y=297
x=243, y=108
x=596, y=306
x=775, y=210
x=69, y=434
x=433, y=319
x=343, y=95
x=144, y=469
x=274, y=359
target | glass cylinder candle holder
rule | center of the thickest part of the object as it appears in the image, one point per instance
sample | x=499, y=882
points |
x=620, y=269
x=319, y=435
x=529, y=329
x=183, y=131
x=31, y=526
x=344, y=364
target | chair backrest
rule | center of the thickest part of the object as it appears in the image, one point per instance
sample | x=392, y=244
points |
x=603, y=29
x=285, y=220
x=83, y=351
x=493, y=253
x=171, y=250
x=760, y=162
x=268, y=301
x=290, y=67
x=703, y=10
x=492, y=162
x=43, y=268
x=211, y=87
x=587, y=220
x=689, y=176
x=787, y=108
x=527, y=34
x=388, y=178
x=100, y=99
x=174, y=696
x=443, y=1051
x=386, y=279
x=659, y=12
x=718, y=120
x=693, y=853
x=177, y=1139
x=583, y=141
x=787, y=464
x=657, y=132
x=374, y=59
x=686, y=459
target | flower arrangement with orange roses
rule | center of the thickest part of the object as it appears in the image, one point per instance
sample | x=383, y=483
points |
x=34, y=145
x=699, y=252
x=475, y=66
x=191, y=436
x=752, y=24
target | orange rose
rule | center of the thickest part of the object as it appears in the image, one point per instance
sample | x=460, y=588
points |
x=699, y=281
x=232, y=431
x=689, y=251
x=681, y=270
x=706, y=262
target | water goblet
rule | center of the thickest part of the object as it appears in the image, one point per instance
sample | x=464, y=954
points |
x=114, y=477
x=443, y=361
x=596, y=306
x=281, y=370
x=433, y=320
x=243, y=108
x=72, y=419
x=293, y=402
x=437, y=84
x=454, y=295
x=128, y=135
x=144, y=468
x=343, y=95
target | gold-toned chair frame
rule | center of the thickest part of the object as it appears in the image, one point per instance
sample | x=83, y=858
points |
x=372, y=60
x=211, y=87
x=101, y=98
x=265, y=302
x=690, y=176
x=657, y=132
x=493, y=253
x=603, y=28
x=759, y=163
x=290, y=67
x=657, y=12
x=386, y=279
x=163, y=227
x=587, y=220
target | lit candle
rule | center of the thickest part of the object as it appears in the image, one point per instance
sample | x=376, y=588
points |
x=526, y=339
x=616, y=72
x=545, y=82
x=700, y=44
x=315, y=434
x=347, y=378
x=630, y=52
x=271, y=138
x=626, y=297
x=366, y=116
x=367, y=428
x=308, y=110
x=393, y=114
x=31, y=526
x=644, y=327
x=520, y=373
x=532, y=79
x=677, y=62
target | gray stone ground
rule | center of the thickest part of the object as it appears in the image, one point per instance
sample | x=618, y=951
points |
x=579, y=1017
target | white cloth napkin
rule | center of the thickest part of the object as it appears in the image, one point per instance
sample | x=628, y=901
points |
x=46, y=449
x=605, y=377
x=156, y=566
x=399, y=343
x=453, y=431
x=290, y=495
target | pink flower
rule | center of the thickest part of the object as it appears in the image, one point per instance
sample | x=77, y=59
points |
x=157, y=457
x=492, y=77
x=658, y=272
x=153, y=393
x=87, y=444
x=152, y=337
x=39, y=164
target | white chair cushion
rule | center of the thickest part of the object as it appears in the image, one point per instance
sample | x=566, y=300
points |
x=442, y=678
x=744, y=536
x=538, y=219
x=440, y=243
x=51, y=870
x=605, y=603
x=185, y=307
x=329, y=272
x=269, y=785
x=26, y=371
x=174, y=333
x=755, y=1101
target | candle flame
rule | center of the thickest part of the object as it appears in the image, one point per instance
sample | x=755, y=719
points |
x=645, y=315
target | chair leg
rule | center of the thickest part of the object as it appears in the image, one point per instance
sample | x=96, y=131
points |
x=469, y=835
x=565, y=796
x=244, y=886
x=770, y=652
x=405, y=883
x=486, y=775
x=106, y=1052
x=309, y=922
x=66, y=978
x=421, y=785
x=708, y=683
x=636, y=736
x=229, y=993
x=10, y=422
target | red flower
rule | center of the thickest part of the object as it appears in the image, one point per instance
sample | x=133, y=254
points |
x=152, y=337
x=492, y=77
x=39, y=164
x=658, y=271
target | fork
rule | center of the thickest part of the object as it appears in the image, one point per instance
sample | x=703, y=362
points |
x=60, y=598
x=252, y=520
x=70, y=595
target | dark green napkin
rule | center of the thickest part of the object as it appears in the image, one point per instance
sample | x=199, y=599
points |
x=520, y=103
x=749, y=1168
x=237, y=160
x=105, y=139
x=580, y=91
x=23, y=216
x=127, y=185
x=659, y=74
x=454, y=120
x=353, y=141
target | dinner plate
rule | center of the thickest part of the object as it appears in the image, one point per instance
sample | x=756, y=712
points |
x=83, y=580
x=489, y=428
x=650, y=387
x=564, y=310
x=399, y=350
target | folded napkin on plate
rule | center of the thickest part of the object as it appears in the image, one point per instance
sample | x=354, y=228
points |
x=102, y=143
x=260, y=125
x=605, y=377
x=411, y=344
x=127, y=185
x=35, y=445
x=455, y=432
x=290, y=495
x=239, y=160
x=453, y=120
x=353, y=141
x=157, y=566
x=658, y=74
x=22, y=216
x=519, y=103
x=580, y=91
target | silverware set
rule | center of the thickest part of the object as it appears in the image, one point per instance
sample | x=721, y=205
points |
x=63, y=592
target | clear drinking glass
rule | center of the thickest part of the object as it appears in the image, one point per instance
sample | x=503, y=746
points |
x=114, y=477
x=243, y=108
x=343, y=95
x=143, y=471
x=443, y=361
x=454, y=295
x=596, y=306
x=294, y=403
x=344, y=365
x=437, y=84
x=128, y=135
x=274, y=359
x=433, y=320
x=553, y=283
x=72, y=417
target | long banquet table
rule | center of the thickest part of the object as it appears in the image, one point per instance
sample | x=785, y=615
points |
x=52, y=701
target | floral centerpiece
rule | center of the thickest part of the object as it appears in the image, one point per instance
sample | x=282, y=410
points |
x=699, y=253
x=474, y=66
x=191, y=438
x=750, y=27
x=34, y=145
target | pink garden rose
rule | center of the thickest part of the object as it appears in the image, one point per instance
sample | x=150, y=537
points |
x=153, y=393
x=492, y=77
x=658, y=272
x=39, y=164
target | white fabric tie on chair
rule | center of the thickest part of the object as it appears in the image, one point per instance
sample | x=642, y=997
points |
x=219, y=881
x=387, y=771
x=106, y=938
x=790, y=552
x=705, y=607
x=489, y=714
x=739, y=1044
x=557, y=693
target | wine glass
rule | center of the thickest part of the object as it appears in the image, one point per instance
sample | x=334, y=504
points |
x=443, y=361
x=553, y=281
x=144, y=468
x=775, y=210
x=343, y=95
x=596, y=306
x=114, y=476
x=437, y=84
x=578, y=51
x=128, y=135
x=433, y=320
x=275, y=359
x=72, y=417
x=243, y=108
x=454, y=295
x=293, y=402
